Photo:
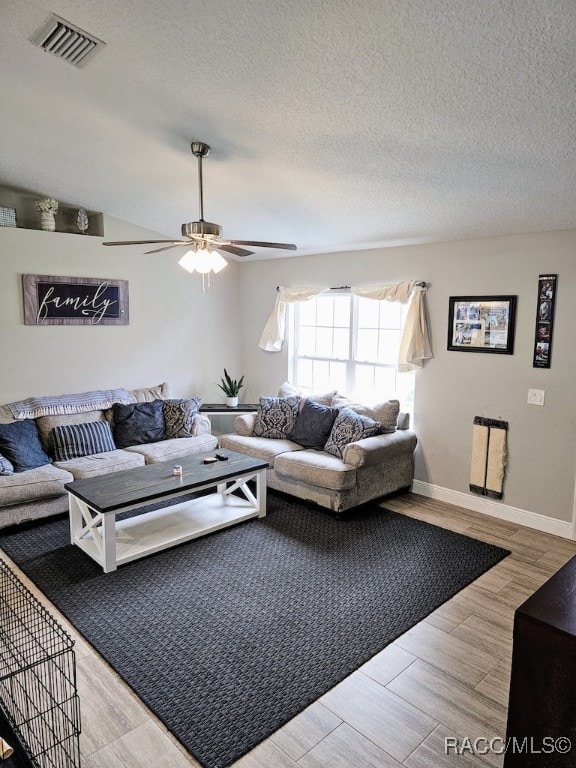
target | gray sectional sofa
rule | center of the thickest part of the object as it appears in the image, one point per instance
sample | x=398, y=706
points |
x=39, y=492
x=369, y=468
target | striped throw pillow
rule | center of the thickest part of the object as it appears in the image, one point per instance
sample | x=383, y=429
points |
x=72, y=441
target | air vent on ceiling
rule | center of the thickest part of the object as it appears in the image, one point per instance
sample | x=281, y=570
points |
x=66, y=41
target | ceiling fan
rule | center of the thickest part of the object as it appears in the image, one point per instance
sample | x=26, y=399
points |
x=203, y=235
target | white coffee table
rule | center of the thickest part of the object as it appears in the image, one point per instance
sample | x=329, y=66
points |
x=95, y=502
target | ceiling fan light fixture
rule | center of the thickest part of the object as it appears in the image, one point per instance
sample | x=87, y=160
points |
x=203, y=261
x=188, y=261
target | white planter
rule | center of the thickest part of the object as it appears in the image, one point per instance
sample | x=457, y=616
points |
x=232, y=402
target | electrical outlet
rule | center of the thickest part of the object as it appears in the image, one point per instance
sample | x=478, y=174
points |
x=536, y=396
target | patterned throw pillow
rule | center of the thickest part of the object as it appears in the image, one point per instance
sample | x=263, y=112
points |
x=179, y=416
x=348, y=428
x=20, y=444
x=386, y=413
x=72, y=441
x=138, y=423
x=313, y=425
x=6, y=467
x=276, y=416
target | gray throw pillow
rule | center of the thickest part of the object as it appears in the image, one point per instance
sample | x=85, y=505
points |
x=348, y=428
x=179, y=416
x=20, y=444
x=138, y=423
x=6, y=467
x=72, y=441
x=276, y=416
x=313, y=424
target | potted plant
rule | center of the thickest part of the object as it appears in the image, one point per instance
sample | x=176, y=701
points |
x=231, y=388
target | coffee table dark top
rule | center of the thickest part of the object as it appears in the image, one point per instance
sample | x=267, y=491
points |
x=107, y=493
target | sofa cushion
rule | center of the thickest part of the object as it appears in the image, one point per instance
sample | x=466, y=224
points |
x=313, y=425
x=386, y=412
x=33, y=485
x=179, y=416
x=348, y=428
x=315, y=468
x=138, y=423
x=6, y=467
x=20, y=444
x=101, y=464
x=324, y=398
x=74, y=440
x=262, y=448
x=46, y=424
x=168, y=450
x=276, y=416
x=149, y=394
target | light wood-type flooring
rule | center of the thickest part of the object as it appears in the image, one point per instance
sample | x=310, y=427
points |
x=446, y=677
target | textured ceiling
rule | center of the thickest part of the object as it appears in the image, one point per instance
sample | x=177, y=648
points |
x=334, y=124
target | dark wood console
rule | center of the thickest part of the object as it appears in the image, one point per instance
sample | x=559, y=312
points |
x=542, y=705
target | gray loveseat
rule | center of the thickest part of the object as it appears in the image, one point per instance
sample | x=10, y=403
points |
x=369, y=468
x=39, y=492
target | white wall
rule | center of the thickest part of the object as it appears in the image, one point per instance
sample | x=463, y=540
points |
x=181, y=336
x=456, y=386
x=176, y=333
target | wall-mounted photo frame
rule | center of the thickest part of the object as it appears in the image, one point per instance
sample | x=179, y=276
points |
x=545, y=305
x=56, y=300
x=482, y=324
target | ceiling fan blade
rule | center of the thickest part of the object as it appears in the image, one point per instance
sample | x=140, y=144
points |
x=286, y=246
x=167, y=248
x=139, y=242
x=232, y=249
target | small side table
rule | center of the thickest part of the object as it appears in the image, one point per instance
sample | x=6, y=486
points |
x=220, y=409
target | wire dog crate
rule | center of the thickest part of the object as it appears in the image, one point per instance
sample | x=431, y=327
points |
x=38, y=693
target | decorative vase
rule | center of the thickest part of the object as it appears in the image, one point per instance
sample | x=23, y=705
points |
x=47, y=221
x=232, y=402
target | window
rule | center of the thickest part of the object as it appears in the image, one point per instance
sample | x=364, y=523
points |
x=345, y=342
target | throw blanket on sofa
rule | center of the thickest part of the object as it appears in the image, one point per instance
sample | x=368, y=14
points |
x=488, y=457
x=33, y=407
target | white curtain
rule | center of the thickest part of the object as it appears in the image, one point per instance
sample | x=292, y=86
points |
x=414, y=346
x=275, y=329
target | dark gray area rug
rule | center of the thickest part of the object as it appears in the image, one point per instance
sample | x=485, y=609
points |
x=228, y=637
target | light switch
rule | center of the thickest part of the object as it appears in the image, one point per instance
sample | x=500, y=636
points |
x=536, y=396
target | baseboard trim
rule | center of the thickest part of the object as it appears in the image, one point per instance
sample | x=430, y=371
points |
x=496, y=509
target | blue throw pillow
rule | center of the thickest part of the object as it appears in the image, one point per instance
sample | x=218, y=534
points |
x=348, y=428
x=20, y=444
x=71, y=441
x=313, y=425
x=6, y=467
x=138, y=423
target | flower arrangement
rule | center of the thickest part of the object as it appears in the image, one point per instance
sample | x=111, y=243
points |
x=49, y=205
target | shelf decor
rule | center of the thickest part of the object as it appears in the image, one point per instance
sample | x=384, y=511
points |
x=544, y=320
x=82, y=220
x=48, y=208
x=7, y=216
x=482, y=324
x=54, y=300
